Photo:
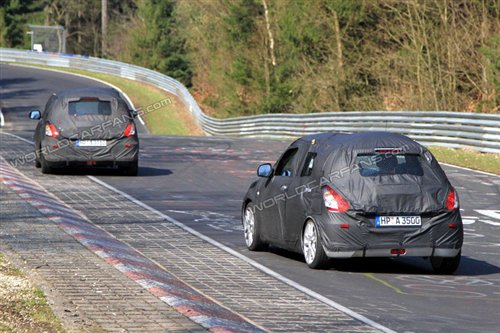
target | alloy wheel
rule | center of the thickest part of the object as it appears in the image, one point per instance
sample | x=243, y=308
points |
x=309, y=242
x=249, y=226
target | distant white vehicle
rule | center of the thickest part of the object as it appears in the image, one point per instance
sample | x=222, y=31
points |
x=38, y=47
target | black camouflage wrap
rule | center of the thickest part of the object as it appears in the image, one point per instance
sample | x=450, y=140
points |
x=63, y=150
x=382, y=195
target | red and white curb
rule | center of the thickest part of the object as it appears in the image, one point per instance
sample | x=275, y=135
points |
x=126, y=259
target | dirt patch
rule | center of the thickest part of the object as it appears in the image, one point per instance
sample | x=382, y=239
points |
x=23, y=307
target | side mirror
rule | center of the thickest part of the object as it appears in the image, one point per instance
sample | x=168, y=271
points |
x=35, y=114
x=134, y=113
x=265, y=170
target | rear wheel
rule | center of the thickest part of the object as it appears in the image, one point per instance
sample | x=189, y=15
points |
x=44, y=165
x=445, y=265
x=312, y=248
x=251, y=230
x=132, y=169
x=37, y=158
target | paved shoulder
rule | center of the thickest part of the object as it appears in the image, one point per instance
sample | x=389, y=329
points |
x=98, y=296
x=229, y=281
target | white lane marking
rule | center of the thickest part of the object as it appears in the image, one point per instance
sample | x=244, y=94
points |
x=223, y=222
x=129, y=101
x=468, y=219
x=251, y=262
x=495, y=214
x=2, y=122
x=464, y=168
x=18, y=137
x=490, y=222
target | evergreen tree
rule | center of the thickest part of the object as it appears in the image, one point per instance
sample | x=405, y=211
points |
x=13, y=21
x=158, y=44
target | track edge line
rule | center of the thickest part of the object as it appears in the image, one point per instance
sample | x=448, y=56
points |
x=249, y=261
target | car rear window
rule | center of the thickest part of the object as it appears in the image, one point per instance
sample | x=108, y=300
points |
x=389, y=164
x=83, y=108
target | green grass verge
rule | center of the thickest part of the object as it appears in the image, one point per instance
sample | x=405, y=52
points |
x=170, y=119
x=23, y=308
x=468, y=158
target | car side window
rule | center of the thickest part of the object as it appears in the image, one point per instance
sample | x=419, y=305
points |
x=285, y=165
x=308, y=165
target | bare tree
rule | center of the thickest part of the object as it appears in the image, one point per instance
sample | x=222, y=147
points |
x=104, y=26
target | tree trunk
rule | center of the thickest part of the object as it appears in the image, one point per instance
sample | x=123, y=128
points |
x=340, y=62
x=104, y=25
x=270, y=33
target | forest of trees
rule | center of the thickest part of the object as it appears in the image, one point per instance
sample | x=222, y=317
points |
x=244, y=57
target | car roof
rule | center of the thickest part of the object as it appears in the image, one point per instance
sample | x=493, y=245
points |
x=102, y=92
x=362, y=142
x=339, y=150
x=59, y=110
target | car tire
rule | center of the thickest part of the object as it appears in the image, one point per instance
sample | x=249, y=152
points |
x=46, y=169
x=251, y=229
x=312, y=247
x=446, y=265
x=38, y=165
x=132, y=169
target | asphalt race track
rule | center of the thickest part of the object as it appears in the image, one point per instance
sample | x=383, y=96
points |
x=200, y=181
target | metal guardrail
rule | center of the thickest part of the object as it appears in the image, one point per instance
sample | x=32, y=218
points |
x=475, y=131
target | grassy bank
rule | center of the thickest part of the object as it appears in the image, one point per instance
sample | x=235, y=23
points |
x=171, y=118
x=23, y=308
x=468, y=158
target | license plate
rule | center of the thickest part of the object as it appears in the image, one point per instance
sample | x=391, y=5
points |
x=91, y=143
x=398, y=221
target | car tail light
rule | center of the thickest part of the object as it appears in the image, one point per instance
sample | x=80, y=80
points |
x=333, y=201
x=51, y=131
x=452, y=200
x=129, y=130
x=399, y=252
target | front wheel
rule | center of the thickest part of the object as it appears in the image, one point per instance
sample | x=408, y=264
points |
x=251, y=230
x=312, y=248
x=445, y=265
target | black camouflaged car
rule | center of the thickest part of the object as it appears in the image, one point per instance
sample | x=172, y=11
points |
x=355, y=195
x=86, y=127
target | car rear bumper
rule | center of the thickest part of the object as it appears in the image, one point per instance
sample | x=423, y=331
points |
x=440, y=235
x=410, y=252
x=64, y=152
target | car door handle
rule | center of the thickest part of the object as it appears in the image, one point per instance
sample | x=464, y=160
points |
x=283, y=187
